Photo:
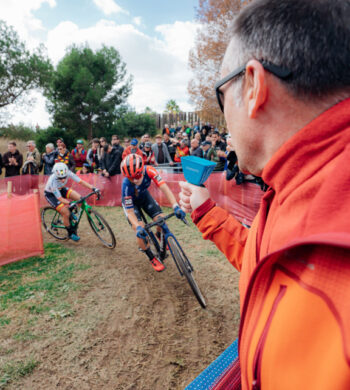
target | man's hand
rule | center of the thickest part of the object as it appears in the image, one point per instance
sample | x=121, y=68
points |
x=191, y=196
x=178, y=212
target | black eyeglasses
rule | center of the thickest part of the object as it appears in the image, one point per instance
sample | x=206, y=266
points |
x=276, y=70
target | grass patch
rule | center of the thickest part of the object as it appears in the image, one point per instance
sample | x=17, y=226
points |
x=33, y=291
x=38, y=282
x=13, y=370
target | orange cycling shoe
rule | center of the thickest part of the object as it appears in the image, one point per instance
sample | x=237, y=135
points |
x=157, y=265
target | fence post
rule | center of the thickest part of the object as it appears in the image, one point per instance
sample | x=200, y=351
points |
x=9, y=189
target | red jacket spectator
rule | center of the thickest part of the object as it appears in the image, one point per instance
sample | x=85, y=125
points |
x=181, y=151
x=132, y=149
x=79, y=155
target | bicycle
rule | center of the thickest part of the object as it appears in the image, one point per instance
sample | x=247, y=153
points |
x=159, y=249
x=53, y=222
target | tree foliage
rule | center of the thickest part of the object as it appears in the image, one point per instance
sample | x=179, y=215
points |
x=20, y=132
x=206, y=57
x=20, y=70
x=87, y=90
x=172, y=107
x=51, y=134
x=132, y=124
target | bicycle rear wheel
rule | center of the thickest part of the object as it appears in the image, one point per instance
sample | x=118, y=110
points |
x=101, y=228
x=53, y=223
x=182, y=261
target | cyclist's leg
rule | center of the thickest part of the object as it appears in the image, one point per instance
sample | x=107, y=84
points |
x=59, y=206
x=73, y=195
x=143, y=246
x=141, y=243
x=152, y=209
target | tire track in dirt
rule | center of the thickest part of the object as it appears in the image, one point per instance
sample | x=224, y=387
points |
x=134, y=328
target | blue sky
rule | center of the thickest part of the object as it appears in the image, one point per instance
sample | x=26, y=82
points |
x=85, y=12
x=154, y=38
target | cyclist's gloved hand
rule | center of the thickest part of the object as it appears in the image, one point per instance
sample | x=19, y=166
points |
x=97, y=192
x=179, y=212
x=141, y=232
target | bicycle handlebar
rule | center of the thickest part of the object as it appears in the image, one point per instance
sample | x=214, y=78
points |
x=161, y=220
x=82, y=199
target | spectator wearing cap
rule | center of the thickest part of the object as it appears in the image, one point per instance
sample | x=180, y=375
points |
x=195, y=149
x=85, y=170
x=148, y=158
x=79, y=155
x=49, y=158
x=182, y=150
x=132, y=149
x=161, y=151
x=205, y=146
x=110, y=162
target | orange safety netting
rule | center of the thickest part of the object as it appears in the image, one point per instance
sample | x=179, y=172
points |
x=240, y=200
x=20, y=227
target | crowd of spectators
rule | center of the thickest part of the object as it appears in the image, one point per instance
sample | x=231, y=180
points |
x=104, y=158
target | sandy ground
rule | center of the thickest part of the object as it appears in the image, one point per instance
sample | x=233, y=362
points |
x=134, y=328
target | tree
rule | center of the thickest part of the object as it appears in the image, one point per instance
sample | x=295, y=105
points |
x=172, y=107
x=20, y=70
x=51, y=134
x=135, y=125
x=87, y=90
x=206, y=57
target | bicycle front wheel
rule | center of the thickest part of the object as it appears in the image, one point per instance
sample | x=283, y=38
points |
x=101, y=228
x=53, y=223
x=183, y=263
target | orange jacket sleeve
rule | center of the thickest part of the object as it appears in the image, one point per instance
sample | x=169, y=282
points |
x=225, y=231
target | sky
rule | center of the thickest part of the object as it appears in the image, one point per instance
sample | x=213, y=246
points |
x=154, y=38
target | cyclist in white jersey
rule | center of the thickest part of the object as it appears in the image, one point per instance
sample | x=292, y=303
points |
x=59, y=196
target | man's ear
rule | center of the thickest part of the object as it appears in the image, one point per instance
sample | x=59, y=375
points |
x=256, y=88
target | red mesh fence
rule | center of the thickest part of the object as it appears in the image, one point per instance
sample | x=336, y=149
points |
x=241, y=200
x=20, y=231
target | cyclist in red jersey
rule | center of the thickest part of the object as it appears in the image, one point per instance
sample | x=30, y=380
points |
x=135, y=196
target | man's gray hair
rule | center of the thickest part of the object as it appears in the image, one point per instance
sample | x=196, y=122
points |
x=310, y=38
x=31, y=142
x=51, y=146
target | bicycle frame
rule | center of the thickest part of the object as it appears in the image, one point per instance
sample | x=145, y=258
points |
x=167, y=234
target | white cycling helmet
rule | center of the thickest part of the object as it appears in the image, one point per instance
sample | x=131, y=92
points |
x=60, y=170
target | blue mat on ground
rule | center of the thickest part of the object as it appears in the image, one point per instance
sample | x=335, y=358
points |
x=207, y=379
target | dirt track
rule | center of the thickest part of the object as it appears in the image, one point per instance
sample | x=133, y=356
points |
x=134, y=328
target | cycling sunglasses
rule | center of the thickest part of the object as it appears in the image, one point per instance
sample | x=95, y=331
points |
x=281, y=73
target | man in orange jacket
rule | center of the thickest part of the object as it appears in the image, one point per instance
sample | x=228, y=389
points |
x=285, y=95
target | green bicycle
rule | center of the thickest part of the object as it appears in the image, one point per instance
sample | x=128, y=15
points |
x=53, y=222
